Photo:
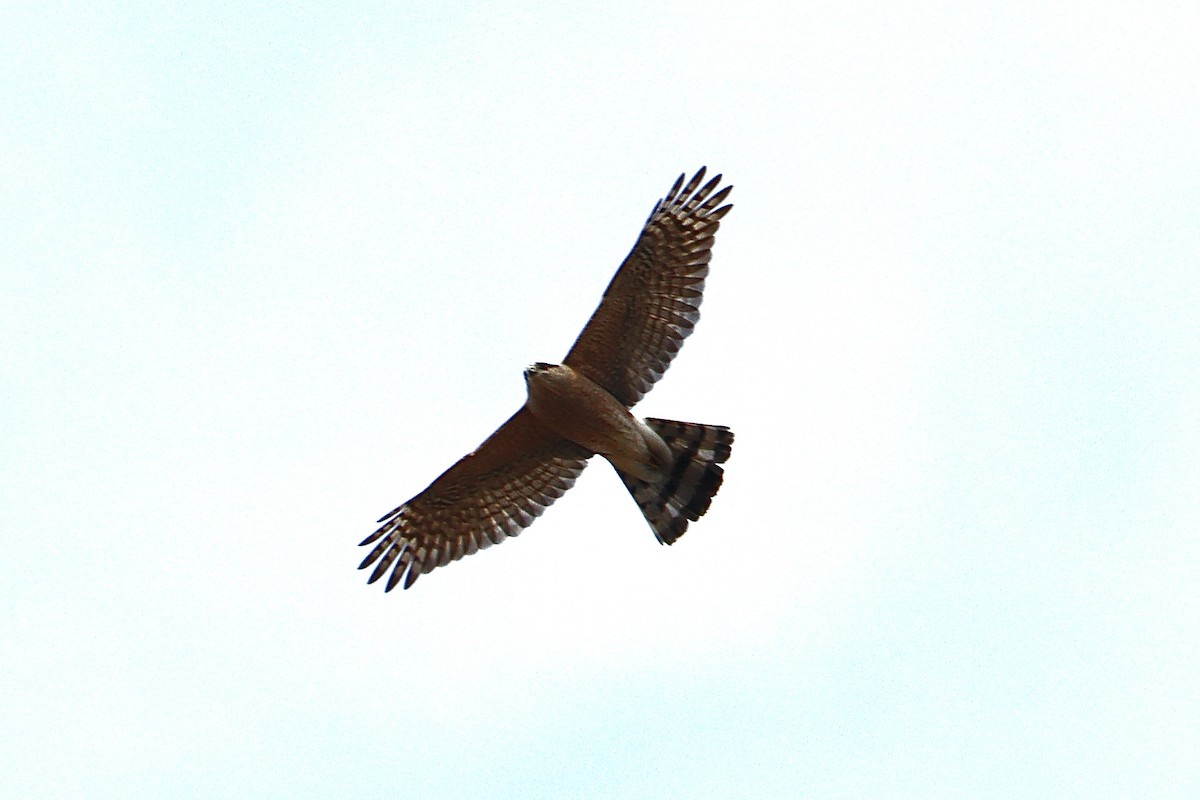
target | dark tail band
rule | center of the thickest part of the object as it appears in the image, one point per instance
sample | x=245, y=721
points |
x=686, y=491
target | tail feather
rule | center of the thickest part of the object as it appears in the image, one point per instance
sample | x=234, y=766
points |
x=687, y=489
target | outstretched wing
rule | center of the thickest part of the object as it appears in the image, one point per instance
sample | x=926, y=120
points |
x=492, y=493
x=653, y=301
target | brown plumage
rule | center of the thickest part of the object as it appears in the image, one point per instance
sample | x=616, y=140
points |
x=581, y=407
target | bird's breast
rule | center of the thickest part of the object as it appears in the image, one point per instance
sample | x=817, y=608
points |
x=578, y=409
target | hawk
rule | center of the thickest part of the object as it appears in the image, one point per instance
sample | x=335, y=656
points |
x=580, y=408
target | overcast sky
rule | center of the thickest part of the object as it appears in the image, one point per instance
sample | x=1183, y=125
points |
x=265, y=273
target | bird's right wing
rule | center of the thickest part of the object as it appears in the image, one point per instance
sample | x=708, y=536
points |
x=492, y=493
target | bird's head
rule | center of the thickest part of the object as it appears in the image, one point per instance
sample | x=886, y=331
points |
x=537, y=368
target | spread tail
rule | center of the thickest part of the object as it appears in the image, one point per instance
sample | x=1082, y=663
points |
x=687, y=489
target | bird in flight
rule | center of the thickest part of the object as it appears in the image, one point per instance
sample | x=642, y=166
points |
x=580, y=408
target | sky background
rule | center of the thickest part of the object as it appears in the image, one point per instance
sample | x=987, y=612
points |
x=266, y=272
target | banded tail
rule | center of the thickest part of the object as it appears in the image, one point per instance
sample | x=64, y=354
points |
x=686, y=491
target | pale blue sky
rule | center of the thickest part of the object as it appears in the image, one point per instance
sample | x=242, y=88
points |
x=265, y=273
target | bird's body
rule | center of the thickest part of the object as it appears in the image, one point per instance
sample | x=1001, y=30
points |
x=580, y=411
x=580, y=408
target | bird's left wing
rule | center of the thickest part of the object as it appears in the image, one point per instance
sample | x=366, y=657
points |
x=653, y=301
x=492, y=493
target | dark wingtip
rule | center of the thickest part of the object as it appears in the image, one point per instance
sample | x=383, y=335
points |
x=389, y=515
x=413, y=574
x=393, y=579
x=671, y=195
